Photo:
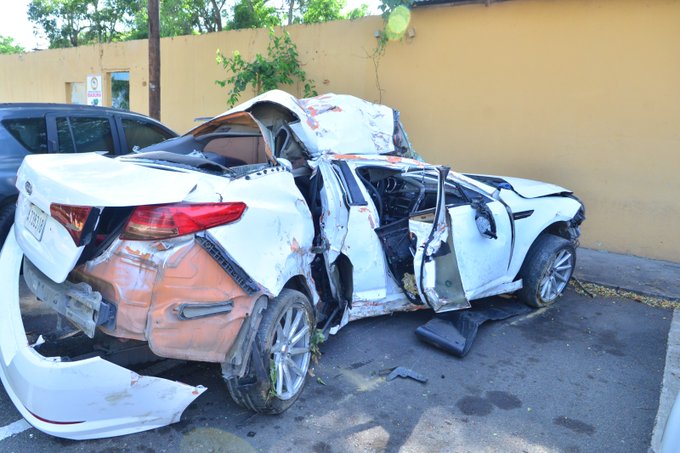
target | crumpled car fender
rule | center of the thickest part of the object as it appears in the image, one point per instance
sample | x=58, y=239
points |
x=276, y=229
x=84, y=399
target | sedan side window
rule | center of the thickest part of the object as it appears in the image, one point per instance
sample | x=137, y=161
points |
x=64, y=136
x=30, y=132
x=142, y=134
x=84, y=135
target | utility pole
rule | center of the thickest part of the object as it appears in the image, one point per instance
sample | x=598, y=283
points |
x=154, y=59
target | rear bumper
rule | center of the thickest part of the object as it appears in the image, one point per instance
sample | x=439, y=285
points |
x=83, y=399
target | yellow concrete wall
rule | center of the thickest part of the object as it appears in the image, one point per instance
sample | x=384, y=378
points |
x=582, y=93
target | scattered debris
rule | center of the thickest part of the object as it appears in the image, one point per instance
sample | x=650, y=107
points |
x=577, y=284
x=592, y=290
x=403, y=372
x=409, y=282
x=320, y=381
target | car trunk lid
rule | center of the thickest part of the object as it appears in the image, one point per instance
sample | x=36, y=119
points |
x=84, y=180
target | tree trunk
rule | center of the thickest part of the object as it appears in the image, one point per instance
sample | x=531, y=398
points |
x=291, y=7
x=217, y=16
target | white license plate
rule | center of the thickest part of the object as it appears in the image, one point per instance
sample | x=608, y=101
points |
x=35, y=221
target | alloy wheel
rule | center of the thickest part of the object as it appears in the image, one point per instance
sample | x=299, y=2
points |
x=557, y=276
x=291, y=352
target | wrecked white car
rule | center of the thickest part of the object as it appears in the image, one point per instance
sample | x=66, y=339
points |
x=275, y=221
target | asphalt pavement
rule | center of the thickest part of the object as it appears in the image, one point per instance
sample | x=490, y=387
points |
x=584, y=375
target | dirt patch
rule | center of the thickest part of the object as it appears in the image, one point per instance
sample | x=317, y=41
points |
x=592, y=289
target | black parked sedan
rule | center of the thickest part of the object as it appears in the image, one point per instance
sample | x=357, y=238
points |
x=65, y=128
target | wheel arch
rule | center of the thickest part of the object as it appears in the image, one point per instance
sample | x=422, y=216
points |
x=543, y=252
x=559, y=216
x=300, y=283
x=558, y=228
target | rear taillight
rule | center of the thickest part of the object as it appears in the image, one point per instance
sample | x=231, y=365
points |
x=73, y=218
x=171, y=220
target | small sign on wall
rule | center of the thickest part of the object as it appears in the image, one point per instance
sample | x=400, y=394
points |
x=94, y=90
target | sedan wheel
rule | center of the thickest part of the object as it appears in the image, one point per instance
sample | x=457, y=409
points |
x=284, y=344
x=291, y=352
x=557, y=277
x=547, y=269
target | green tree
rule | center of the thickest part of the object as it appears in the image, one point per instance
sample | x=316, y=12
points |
x=182, y=17
x=7, y=45
x=253, y=14
x=70, y=23
x=177, y=18
x=322, y=11
x=359, y=12
x=279, y=68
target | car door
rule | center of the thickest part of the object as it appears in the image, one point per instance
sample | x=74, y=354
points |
x=456, y=260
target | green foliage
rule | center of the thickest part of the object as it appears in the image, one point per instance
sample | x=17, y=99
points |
x=192, y=16
x=316, y=11
x=359, y=12
x=120, y=94
x=278, y=68
x=316, y=340
x=176, y=20
x=396, y=17
x=70, y=23
x=7, y=45
x=387, y=6
x=253, y=14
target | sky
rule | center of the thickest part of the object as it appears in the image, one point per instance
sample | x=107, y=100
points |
x=14, y=23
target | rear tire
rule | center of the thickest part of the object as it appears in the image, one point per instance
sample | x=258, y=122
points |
x=546, y=271
x=284, y=337
x=6, y=221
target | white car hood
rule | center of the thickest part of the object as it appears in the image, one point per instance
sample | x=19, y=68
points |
x=333, y=123
x=529, y=188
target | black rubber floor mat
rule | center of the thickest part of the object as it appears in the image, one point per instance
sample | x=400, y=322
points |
x=455, y=332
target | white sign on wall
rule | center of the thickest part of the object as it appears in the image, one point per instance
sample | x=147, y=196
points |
x=94, y=90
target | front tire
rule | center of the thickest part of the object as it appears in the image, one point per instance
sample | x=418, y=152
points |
x=284, y=337
x=546, y=271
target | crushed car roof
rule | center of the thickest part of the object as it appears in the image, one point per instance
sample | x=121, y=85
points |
x=334, y=123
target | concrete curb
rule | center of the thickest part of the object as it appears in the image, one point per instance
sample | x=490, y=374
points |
x=670, y=385
x=640, y=275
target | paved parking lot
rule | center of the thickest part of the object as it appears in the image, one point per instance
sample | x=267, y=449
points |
x=583, y=375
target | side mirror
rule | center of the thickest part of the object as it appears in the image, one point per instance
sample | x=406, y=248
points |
x=484, y=220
